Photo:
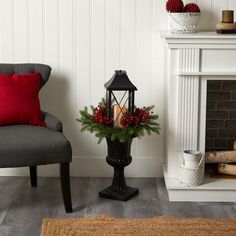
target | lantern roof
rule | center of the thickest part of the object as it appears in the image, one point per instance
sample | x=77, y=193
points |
x=120, y=81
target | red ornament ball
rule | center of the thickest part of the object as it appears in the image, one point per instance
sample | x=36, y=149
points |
x=174, y=5
x=191, y=7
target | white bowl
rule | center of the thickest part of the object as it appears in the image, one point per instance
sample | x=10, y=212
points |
x=184, y=22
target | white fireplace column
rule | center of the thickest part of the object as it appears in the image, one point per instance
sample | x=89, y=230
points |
x=183, y=107
x=192, y=59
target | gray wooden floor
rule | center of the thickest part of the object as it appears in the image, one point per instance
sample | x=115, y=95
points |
x=22, y=208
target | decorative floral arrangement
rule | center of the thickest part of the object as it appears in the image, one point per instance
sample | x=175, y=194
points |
x=122, y=126
x=174, y=6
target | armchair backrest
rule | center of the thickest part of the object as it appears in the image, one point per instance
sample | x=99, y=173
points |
x=27, y=68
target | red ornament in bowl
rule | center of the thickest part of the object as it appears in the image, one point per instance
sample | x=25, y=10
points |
x=191, y=7
x=174, y=5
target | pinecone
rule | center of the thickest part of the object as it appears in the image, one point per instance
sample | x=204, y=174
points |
x=191, y=7
x=174, y=5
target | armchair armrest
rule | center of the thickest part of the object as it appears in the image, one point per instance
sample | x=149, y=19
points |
x=52, y=121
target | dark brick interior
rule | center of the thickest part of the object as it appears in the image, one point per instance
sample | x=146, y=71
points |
x=220, y=115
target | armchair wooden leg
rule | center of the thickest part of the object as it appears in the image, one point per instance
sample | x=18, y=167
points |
x=65, y=185
x=33, y=175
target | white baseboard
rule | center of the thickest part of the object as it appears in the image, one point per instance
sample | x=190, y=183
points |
x=94, y=167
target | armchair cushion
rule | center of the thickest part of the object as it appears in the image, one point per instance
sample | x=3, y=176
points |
x=27, y=68
x=25, y=145
x=52, y=122
x=19, y=100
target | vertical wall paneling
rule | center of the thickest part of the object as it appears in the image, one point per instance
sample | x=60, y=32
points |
x=121, y=32
x=75, y=127
x=136, y=61
x=136, y=40
x=7, y=30
x=21, y=31
x=35, y=23
x=143, y=68
x=84, y=41
x=83, y=140
x=50, y=39
x=91, y=35
x=160, y=18
x=98, y=53
x=160, y=15
x=153, y=41
x=227, y=4
x=129, y=42
x=28, y=14
x=219, y=5
x=97, y=38
x=43, y=29
x=129, y=38
x=207, y=14
x=51, y=26
x=232, y=5
x=65, y=77
x=151, y=29
x=105, y=39
x=113, y=39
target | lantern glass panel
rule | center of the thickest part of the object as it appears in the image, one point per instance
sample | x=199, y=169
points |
x=119, y=106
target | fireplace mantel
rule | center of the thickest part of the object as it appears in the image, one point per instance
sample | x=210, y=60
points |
x=191, y=60
x=199, y=40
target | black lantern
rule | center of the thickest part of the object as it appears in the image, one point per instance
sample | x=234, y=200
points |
x=119, y=100
x=119, y=83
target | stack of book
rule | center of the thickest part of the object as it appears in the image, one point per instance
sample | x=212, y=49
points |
x=227, y=26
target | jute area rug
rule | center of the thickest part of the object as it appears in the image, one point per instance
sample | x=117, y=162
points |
x=104, y=225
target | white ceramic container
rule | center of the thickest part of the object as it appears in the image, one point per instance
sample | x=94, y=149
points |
x=184, y=22
x=192, y=168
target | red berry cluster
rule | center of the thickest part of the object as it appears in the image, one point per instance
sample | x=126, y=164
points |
x=178, y=6
x=140, y=116
x=174, y=5
x=191, y=7
x=100, y=116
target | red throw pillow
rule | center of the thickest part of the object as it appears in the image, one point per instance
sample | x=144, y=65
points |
x=19, y=99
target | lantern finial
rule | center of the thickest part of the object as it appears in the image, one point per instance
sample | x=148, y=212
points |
x=120, y=72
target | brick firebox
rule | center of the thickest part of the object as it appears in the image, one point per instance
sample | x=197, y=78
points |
x=220, y=115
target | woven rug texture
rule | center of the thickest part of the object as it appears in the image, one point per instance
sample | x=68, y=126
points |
x=105, y=225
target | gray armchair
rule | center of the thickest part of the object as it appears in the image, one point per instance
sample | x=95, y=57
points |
x=26, y=145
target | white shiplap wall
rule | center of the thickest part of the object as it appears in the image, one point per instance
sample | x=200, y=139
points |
x=84, y=41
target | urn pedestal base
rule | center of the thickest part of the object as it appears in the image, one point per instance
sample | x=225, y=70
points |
x=118, y=157
x=124, y=195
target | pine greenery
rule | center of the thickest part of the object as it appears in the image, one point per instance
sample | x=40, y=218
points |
x=122, y=134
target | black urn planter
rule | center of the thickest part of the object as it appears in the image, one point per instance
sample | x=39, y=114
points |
x=119, y=157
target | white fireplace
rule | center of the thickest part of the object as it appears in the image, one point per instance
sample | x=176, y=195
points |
x=191, y=60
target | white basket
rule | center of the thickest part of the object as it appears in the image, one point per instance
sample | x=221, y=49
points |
x=191, y=177
x=184, y=22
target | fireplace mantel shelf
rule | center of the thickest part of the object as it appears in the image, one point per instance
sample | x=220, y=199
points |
x=208, y=73
x=192, y=60
x=199, y=40
x=199, y=35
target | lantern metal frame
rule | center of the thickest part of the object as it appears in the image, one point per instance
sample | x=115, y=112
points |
x=119, y=82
